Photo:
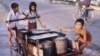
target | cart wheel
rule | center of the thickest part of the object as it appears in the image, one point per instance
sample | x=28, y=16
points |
x=22, y=51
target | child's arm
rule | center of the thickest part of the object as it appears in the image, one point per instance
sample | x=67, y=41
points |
x=67, y=30
x=41, y=22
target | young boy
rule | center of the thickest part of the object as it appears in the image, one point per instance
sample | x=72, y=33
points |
x=83, y=37
x=13, y=14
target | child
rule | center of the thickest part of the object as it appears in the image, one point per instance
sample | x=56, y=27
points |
x=13, y=15
x=32, y=12
x=83, y=37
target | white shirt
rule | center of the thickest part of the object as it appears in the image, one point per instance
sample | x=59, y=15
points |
x=32, y=14
x=12, y=16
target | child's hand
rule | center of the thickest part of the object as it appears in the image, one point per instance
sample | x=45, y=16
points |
x=28, y=17
x=60, y=28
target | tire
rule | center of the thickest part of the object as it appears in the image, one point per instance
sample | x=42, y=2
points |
x=77, y=14
x=89, y=19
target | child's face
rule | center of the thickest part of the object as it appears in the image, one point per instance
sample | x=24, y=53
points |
x=33, y=8
x=78, y=25
x=15, y=9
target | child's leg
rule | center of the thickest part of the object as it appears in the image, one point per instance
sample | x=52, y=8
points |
x=74, y=45
x=10, y=38
x=77, y=46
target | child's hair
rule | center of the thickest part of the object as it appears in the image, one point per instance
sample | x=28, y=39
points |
x=14, y=5
x=32, y=4
x=80, y=20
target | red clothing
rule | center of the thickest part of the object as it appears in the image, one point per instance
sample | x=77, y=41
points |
x=87, y=2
